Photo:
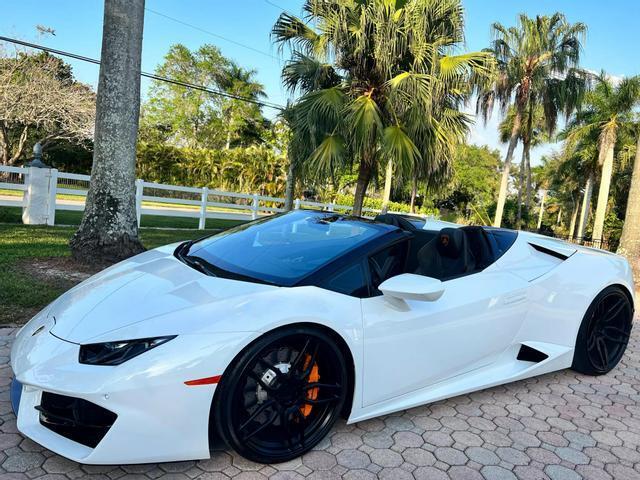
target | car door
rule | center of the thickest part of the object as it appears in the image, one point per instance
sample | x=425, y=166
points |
x=409, y=345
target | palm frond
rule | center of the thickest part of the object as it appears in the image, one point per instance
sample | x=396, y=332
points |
x=399, y=148
x=327, y=156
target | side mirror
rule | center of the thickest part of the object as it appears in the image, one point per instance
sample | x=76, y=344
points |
x=409, y=286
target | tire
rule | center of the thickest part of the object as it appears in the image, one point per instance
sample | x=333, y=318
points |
x=265, y=408
x=604, y=332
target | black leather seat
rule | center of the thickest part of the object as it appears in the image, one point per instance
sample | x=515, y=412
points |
x=446, y=256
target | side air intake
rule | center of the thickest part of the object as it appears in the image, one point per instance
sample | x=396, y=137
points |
x=528, y=354
x=548, y=251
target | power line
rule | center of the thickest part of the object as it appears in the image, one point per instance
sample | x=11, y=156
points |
x=200, y=29
x=152, y=76
x=269, y=2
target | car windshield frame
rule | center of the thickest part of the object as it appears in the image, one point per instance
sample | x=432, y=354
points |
x=294, y=246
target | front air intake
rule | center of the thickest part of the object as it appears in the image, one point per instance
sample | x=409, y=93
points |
x=75, y=418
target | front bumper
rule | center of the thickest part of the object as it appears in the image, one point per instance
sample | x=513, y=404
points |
x=15, y=392
x=159, y=418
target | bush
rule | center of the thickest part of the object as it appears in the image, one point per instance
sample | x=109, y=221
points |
x=254, y=169
x=376, y=203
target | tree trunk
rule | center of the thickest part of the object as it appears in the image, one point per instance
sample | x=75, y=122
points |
x=364, y=176
x=541, y=214
x=521, y=185
x=13, y=158
x=527, y=204
x=607, y=146
x=227, y=144
x=574, y=219
x=414, y=193
x=630, y=239
x=586, y=206
x=504, y=182
x=5, y=148
x=388, y=179
x=290, y=188
x=109, y=230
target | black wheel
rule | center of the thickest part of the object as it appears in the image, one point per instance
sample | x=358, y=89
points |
x=604, y=332
x=282, y=395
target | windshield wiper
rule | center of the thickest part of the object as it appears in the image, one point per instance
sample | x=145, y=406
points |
x=197, y=264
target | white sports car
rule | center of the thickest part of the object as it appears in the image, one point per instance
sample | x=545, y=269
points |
x=266, y=333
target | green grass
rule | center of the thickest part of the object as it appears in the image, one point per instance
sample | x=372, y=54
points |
x=24, y=289
x=69, y=217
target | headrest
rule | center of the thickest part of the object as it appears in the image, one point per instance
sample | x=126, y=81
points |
x=451, y=242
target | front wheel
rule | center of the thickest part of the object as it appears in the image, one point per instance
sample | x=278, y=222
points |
x=282, y=395
x=604, y=332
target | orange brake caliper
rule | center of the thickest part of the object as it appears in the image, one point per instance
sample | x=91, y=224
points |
x=312, y=393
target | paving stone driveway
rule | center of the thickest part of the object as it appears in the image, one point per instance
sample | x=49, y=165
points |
x=559, y=426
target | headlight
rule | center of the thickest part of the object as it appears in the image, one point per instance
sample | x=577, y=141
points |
x=115, y=353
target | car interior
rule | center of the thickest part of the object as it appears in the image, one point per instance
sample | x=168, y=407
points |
x=447, y=254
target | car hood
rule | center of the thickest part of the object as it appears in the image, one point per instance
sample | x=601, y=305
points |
x=141, y=288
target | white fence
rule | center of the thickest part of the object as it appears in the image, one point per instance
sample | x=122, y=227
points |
x=68, y=191
x=13, y=179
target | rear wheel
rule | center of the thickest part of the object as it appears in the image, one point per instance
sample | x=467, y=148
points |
x=604, y=332
x=282, y=395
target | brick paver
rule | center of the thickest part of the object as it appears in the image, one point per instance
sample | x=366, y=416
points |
x=558, y=426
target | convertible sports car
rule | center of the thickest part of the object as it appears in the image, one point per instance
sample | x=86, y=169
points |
x=266, y=333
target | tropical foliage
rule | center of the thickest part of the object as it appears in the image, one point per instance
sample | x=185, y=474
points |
x=598, y=158
x=608, y=110
x=472, y=189
x=384, y=86
x=177, y=115
x=537, y=65
x=254, y=169
x=376, y=118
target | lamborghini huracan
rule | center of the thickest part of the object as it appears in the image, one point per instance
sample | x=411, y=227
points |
x=264, y=334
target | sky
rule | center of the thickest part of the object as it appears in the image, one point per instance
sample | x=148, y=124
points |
x=240, y=28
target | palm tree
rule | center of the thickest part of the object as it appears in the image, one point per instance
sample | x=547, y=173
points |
x=608, y=108
x=532, y=134
x=537, y=64
x=109, y=230
x=580, y=156
x=396, y=87
x=302, y=74
x=237, y=114
x=630, y=239
x=560, y=176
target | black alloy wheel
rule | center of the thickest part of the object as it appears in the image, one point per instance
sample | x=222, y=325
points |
x=604, y=332
x=282, y=395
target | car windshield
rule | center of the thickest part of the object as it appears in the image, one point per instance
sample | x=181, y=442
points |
x=283, y=249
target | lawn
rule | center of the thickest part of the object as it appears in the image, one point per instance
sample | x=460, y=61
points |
x=145, y=203
x=36, y=265
x=69, y=217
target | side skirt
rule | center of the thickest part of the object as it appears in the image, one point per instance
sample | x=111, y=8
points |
x=505, y=370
